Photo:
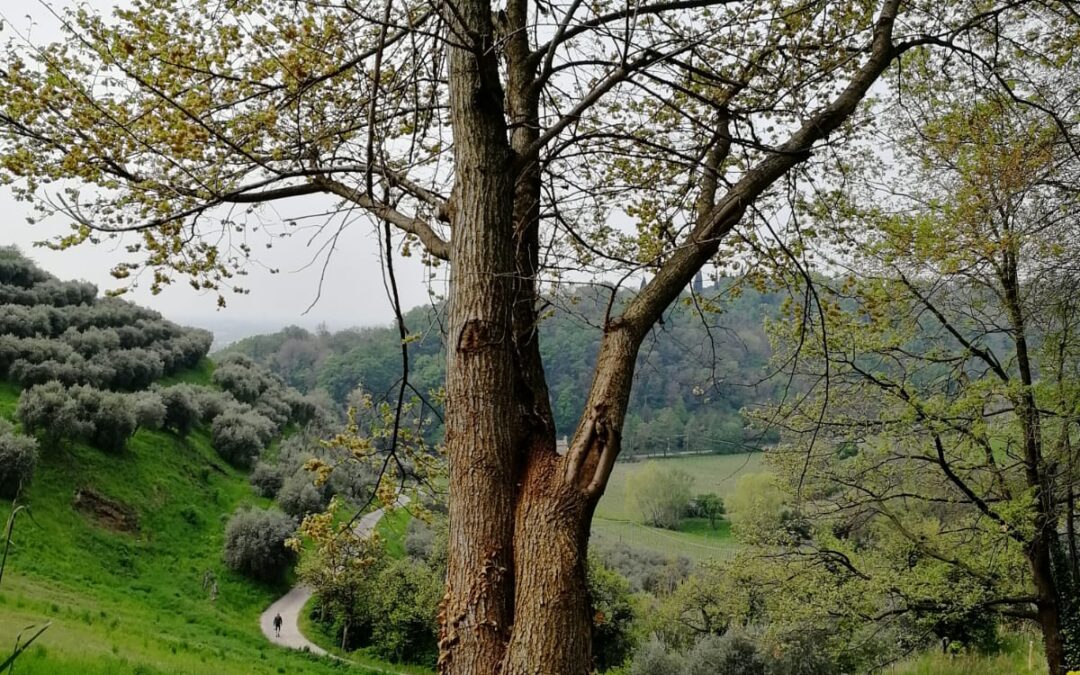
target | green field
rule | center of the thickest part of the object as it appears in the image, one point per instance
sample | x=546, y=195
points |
x=133, y=601
x=617, y=520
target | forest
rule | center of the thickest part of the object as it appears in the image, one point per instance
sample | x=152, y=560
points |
x=675, y=406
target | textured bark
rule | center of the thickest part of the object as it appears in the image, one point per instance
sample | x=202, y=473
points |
x=481, y=411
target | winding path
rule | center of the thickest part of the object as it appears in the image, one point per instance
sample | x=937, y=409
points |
x=292, y=603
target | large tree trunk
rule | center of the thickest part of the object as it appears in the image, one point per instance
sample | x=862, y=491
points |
x=552, y=614
x=481, y=412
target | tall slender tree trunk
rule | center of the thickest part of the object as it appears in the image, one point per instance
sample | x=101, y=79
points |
x=1039, y=551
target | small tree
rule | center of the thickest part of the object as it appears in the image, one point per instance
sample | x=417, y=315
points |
x=149, y=409
x=662, y=495
x=239, y=436
x=757, y=506
x=181, y=408
x=255, y=543
x=709, y=505
x=298, y=496
x=49, y=410
x=613, y=616
x=18, y=456
x=266, y=479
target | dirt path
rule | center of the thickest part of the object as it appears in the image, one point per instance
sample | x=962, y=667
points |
x=292, y=603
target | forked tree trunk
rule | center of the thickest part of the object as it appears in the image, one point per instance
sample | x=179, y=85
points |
x=516, y=599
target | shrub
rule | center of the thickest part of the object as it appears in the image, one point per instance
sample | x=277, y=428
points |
x=613, y=622
x=255, y=543
x=149, y=409
x=654, y=659
x=110, y=416
x=181, y=408
x=49, y=409
x=299, y=497
x=18, y=456
x=266, y=479
x=239, y=436
x=733, y=653
x=238, y=375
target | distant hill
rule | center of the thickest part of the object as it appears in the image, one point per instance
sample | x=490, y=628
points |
x=695, y=373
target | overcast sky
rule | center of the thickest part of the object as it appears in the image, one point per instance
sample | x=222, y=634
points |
x=352, y=292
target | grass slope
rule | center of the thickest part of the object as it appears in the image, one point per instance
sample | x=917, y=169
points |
x=134, y=602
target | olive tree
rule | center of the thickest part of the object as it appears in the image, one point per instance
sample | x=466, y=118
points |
x=519, y=143
x=18, y=457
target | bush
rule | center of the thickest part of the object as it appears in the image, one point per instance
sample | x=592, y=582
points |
x=654, y=659
x=266, y=479
x=149, y=409
x=239, y=436
x=109, y=414
x=613, y=622
x=181, y=408
x=18, y=456
x=730, y=654
x=298, y=496
x=255, y=543
x=49, y=409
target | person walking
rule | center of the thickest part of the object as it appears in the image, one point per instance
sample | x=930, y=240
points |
x=277, y=625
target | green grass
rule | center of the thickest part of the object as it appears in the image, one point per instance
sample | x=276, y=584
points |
x=134, y=602
x=201, y=374
x=618, y=521
x=392, y=528
x=1020, y=650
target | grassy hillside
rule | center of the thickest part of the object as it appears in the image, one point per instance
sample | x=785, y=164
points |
x=617, y=520
x=133, y=601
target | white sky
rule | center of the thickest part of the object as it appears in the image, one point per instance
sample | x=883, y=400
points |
x=352, y=293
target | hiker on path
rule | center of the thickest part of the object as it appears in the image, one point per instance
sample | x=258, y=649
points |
x=277, y=625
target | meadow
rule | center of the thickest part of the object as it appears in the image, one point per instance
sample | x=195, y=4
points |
x=618, y=521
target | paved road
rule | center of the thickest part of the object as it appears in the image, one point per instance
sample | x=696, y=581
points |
x=292, y=603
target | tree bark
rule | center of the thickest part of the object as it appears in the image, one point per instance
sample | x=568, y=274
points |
x=481, y=412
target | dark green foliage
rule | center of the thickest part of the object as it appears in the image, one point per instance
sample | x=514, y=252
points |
x=613, y=616
x=709, y=506
x=255, y=543
x=674, y=407
x=404, y=606
x=18, y=457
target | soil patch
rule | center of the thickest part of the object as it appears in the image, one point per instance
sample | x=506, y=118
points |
x=109, y=513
